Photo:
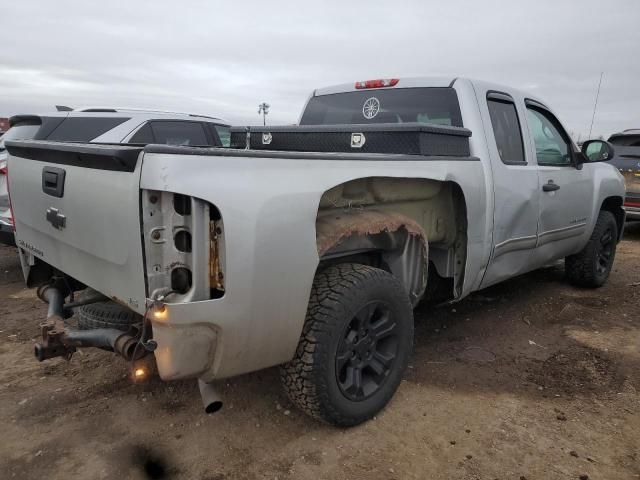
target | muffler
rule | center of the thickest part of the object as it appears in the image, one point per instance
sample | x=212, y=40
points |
x=210, y=398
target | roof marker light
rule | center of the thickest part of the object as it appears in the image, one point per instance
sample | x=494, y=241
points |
x=379, y=83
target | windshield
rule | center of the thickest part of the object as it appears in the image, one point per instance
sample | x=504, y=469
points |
x=19, y=132
x=399, y=105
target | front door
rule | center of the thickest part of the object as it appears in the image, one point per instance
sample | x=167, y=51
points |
x=566, y=192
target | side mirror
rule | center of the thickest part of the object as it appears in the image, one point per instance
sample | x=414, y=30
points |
x=597, y=151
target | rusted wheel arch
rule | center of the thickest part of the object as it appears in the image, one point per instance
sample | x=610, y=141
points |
x=399, y=239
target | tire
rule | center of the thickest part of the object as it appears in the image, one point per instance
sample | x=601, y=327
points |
x=359, y=324
x=106, y=315
x=591, y=267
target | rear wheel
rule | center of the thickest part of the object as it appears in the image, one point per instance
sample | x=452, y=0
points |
x=354, y=347
x=591, y=266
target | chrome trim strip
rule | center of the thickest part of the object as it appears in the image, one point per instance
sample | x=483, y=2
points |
x=516, y=243
x=560, y=233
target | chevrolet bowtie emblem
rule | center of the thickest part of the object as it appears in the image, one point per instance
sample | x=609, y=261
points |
x=55, y=218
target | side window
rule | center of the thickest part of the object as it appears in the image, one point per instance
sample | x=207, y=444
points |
x=83, y=129
x=506, y=130
x=551, y=146
x=179, y=133
x=143, y=136
x=224, y=134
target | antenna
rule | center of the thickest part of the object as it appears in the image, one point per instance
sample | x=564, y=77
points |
x=595, y=104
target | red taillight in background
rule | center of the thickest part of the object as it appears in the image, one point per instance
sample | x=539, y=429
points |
x=380, y=83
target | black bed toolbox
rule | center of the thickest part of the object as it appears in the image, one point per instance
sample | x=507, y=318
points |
x=392, y=138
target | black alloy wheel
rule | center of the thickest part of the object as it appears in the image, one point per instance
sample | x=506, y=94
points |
x=367, y=351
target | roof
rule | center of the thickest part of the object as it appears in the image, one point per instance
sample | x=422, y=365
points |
x=139, y=111
x=136, y=113
x=628, y=131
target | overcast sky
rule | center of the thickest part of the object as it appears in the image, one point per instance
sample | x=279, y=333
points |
x=224, y=58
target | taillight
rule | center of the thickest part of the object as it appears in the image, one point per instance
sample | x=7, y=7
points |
x=184, y=247
x=380, y=83
x=5, y=171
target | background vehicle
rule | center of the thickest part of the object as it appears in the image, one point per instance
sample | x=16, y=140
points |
x=627, y=160
x=310, y=248
x=106, y=125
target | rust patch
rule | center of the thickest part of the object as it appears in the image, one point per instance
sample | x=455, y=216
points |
x=332, y=229
x=216, y=276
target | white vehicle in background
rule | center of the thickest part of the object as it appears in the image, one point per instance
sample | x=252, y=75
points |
x=106, y=125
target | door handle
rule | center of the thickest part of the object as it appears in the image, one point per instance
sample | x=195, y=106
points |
x=550, y=187
x=53, y=181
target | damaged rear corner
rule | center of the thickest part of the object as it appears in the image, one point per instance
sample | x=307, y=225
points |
x=184, y=256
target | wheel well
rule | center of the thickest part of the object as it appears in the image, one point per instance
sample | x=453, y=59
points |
x=413, y=228
x=614, y=205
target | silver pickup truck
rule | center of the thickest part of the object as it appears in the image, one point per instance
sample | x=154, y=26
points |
x=308, y=246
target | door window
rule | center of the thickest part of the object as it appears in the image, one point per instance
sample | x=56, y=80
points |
x=506, y=130
x=143, y=136
x=552, y=147
x=179, y=133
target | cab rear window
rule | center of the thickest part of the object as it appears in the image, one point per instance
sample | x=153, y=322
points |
x=430, y=105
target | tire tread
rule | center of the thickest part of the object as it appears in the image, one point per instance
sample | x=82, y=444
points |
x=580, y=268
x=106, y=315
x=300, y=376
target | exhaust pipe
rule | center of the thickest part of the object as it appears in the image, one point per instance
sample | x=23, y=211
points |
x=55, y=298
x=210, y=398
x=59, y=341
x=121, y=343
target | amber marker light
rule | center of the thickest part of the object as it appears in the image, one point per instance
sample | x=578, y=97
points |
x=160, y=312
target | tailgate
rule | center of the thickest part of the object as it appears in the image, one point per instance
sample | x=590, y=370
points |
x=77, y=207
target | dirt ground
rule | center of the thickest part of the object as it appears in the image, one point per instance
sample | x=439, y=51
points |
x=530, y=379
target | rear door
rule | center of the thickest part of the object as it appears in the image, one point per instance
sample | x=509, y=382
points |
x=77, y=208
x=515, y=183
x=566, y=193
